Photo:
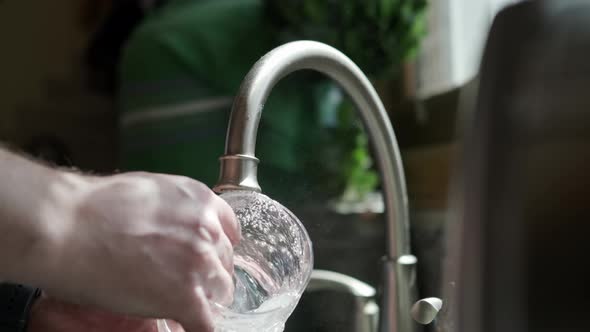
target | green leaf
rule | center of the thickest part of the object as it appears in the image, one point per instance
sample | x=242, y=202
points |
x=378, y=35
x=315, y=10
x=387, y=8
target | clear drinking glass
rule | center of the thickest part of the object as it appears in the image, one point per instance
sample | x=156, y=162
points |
x=273, y=264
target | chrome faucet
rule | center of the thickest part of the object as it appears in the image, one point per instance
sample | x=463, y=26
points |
x=239, y=164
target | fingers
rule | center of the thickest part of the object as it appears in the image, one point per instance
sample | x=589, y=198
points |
x=216, y=281
x=198, y=317
x=225, y=252
x=228, y=221
x=209, y=230
x=224, y=213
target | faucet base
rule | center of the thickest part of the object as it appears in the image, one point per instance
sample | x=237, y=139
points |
x=398, y=294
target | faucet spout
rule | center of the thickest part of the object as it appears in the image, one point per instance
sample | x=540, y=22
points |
x=239, y=164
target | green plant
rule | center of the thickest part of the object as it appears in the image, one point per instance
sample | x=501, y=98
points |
x=346, y=166
x=377, y=35
x=358, y=170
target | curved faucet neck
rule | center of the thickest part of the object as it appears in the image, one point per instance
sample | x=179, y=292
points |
x=239, y=164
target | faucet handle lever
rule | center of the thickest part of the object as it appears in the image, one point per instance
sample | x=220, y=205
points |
x=366, y=311
x=424, y=311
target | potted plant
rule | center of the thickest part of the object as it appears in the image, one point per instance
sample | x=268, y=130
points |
x=379, y=36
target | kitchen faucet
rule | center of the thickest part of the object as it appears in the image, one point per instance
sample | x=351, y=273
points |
x=239, y=163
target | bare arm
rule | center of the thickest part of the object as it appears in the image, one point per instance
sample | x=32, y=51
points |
x=145, y=244
x=36, y=203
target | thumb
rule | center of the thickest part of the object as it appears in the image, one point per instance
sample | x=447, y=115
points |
x=198, y=317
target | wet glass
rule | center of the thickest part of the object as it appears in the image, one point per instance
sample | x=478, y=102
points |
x=273, y=264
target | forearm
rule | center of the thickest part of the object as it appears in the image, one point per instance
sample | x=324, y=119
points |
x=35, y=214
x=117, y=242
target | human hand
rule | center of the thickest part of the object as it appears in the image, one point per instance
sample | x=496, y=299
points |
x=51, y=315
x=151, y=245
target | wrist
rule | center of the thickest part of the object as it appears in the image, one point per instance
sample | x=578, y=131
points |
x=54, y=218
x=37, y=315
x=45, y=315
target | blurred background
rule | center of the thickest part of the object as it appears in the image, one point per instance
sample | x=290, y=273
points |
x=108, y=86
